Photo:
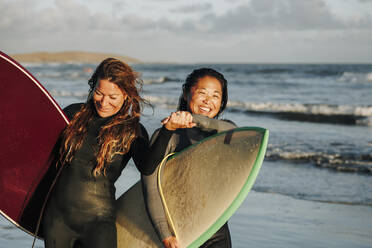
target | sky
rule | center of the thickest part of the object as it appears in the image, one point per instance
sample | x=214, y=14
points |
x=193, y=31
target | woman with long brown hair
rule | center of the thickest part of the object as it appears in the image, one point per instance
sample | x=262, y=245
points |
x=103, y=134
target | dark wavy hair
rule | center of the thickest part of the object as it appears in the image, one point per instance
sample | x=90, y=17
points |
x=193, y=78
x=116, y=136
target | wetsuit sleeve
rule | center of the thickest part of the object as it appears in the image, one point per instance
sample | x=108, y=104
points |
x=154, y=205
x=139, y=150
x=207, y=124
x=71, y=110
x=158, y=149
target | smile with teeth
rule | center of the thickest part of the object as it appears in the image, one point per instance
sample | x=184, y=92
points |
x=205, y=109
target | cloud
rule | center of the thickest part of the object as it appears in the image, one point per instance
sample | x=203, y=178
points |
x=193, y=8
x=71, y=16
x=261, y=15
x=66, y=16
x=251, y=30
x=282, y=15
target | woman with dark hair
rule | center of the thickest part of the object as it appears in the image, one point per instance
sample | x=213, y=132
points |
x=203, y=98
x=103, y=134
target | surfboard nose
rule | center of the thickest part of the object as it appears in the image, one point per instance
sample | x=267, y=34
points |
x=216, y=176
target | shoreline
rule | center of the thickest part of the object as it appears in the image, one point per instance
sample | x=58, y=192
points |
x=274, y=220
x=69, y=57
x=271, y=220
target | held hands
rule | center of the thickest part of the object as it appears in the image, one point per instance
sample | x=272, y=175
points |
x=179, y=119
x=171, y=242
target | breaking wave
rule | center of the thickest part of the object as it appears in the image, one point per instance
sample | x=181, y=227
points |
x=64, y=93
x=321, y=113
x=356, y=77
x=159, y=80
x=360, y=163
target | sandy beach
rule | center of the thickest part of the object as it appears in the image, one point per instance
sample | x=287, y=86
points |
x=272, y=220
x=281, y=221
x=264, y=220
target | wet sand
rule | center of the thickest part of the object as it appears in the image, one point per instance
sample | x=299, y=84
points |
x=272, y=220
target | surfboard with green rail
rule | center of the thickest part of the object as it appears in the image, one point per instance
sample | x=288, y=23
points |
x=203, y=186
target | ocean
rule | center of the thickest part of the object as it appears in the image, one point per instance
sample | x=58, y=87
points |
x=319, y=156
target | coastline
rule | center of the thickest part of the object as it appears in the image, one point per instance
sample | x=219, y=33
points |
x=69, y=57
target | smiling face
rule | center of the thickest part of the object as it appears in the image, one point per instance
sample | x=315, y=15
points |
x=108, y=98
x=205, y=97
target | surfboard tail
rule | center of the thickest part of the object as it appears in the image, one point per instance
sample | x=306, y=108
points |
x=27, y=144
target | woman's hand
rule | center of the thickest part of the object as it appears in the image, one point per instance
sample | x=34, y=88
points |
x=179, y=119
x=171, y=242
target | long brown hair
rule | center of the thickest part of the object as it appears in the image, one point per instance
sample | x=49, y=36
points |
x=116, y=136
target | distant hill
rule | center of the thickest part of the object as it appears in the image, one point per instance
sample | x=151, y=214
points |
x=69, y=56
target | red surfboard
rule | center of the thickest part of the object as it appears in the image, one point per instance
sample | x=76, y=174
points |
x=31, y=122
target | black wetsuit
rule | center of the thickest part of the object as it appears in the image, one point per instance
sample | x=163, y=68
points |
x=80, y=211
x=164, y=142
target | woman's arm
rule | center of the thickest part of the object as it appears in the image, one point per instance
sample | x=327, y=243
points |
x=184, y=119
x=154, y=205
x=139, y=149
x=160, y=144
x=159, y=147
x=207, y=124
